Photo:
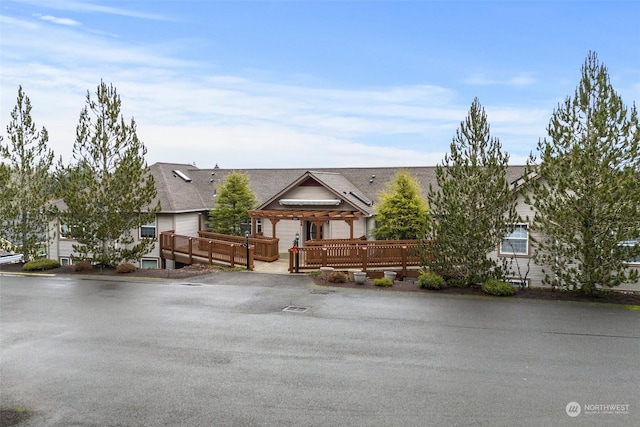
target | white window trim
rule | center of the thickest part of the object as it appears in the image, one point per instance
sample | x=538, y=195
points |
x=149, y=225
x=633, y=263
x=155, y=260
x=521, y=254
x=518, y=283
x=63, y=235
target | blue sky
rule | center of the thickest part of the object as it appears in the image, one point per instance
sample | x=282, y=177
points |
x=269, y=84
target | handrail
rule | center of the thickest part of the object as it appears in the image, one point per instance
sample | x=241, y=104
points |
x=198, y=250
x=380, y=255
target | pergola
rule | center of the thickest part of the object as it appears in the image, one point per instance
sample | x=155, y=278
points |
x=318, y=217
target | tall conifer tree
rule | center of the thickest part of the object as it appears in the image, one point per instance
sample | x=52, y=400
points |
x=585, y=188
x=108, y=189
x=26, y=192
x=474, y=206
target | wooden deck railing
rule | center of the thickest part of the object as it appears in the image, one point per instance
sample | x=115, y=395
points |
x=266, y=248
x=198, y=250
x=362, y=256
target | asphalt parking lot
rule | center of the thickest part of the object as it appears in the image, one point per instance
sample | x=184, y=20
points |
x=219, y=350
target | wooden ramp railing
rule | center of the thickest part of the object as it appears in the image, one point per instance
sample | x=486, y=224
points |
x=362, y=255
x=266, y=248
x=199, y=250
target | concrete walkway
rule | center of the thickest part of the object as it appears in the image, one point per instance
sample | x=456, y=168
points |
x=281, y=266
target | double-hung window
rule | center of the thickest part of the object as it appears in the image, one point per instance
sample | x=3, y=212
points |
x=629, y=245
x=517, y=241
x=148, y=231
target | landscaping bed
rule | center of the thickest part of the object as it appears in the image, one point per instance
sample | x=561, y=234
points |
x=181, y=273
x=611, y=296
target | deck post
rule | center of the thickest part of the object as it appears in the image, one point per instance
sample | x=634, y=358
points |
x=290, y=261
x=324, y=257
x=364, y=258
x=173, y=246
x=210, y=252
x=404, y=260
x=232, y=258
x=190, y=250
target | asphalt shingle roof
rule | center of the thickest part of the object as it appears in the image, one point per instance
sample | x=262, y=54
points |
x=177, y=195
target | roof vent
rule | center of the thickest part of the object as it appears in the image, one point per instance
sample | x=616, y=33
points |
x=184, y=177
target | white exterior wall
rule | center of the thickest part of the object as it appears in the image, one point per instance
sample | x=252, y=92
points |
x=341, y=230
x=186, y=224
x=286, y=230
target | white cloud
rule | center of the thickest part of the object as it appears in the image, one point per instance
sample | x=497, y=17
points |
x=60, y=21
x=483, y=80
x=92, y=7
x=185, y=114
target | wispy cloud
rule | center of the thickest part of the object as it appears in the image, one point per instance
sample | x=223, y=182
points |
x=92, y=7
x=186, y=112
x=483, y=80
x=59, y=21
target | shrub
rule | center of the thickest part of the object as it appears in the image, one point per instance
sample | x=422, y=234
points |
x=457, y=282
x=41, y=264
x=82, y=266
x=498, y=288
x=384, y=282
x=337, y=277
x=431, y=280
x=125, y=267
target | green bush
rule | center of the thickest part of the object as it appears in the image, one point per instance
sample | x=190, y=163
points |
x=41, y=264
x=337, y=277
x=384, y=282
x=125, y=267
x=82, y=266
x=431, y=280
x=498, y=288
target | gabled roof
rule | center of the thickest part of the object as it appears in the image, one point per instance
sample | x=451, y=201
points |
x=335, y=183
x=177, y=195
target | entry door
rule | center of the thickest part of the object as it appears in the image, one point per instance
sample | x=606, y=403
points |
x=312, y=233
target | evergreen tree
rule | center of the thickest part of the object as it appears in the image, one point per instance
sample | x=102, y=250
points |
x=108, y=189
x=585, y=190
x=233, y=201
x=474, y=207
x=402, y=212
x=25, y=192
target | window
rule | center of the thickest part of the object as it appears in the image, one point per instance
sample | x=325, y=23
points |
x=146, y=263
x=64, y=231
x=629, y=245
x=258, y=229
x=519, y=283
x=516, y=242
x=66, y=261
x=148, y=231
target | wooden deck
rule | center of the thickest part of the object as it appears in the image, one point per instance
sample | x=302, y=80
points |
x=363, y=255
x=197, y=250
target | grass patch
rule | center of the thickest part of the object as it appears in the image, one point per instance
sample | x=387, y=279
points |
x=13, y=415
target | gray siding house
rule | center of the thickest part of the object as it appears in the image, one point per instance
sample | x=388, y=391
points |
x=323, y=203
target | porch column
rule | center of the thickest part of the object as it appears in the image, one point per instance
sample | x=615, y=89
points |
x=274, y=221
x=350, y=222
